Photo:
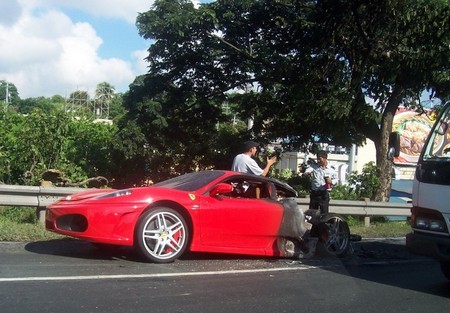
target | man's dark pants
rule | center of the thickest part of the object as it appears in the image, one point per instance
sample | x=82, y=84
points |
x=319, y=199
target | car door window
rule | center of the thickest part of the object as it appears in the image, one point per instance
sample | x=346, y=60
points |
x=251, y=189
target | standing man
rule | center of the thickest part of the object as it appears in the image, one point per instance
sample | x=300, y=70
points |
x=323, y=178
x=246, y=164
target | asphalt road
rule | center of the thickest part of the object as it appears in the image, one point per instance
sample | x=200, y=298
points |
x=74, y=276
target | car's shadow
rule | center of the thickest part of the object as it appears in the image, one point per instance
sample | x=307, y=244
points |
x=380, y=256
x=76, y=248
x=362, y=252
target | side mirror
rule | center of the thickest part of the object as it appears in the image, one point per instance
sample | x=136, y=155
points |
x=394, y=146
x=221, y=189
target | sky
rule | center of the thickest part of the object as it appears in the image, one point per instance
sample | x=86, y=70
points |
x=56, y=47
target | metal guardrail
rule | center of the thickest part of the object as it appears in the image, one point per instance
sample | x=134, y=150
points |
x=33, y=196
x=41, y=197
x=363, y=207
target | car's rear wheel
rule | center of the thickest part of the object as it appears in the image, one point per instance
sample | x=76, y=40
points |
x=334, y=236
x=445, y=267
x=161, y=235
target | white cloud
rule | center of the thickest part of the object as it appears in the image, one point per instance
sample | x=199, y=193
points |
x=122, y=9
x=43, y=52
x=139, y=59
x=9, y=12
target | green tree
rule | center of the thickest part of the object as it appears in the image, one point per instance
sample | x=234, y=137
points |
x=9, y=96
x=329, y=71
x=105, y=90
x=58, y=99
x=45, y=104
x=10, y=122
x=88, y=147
x=104, y=93
x=79, y=103
x=388, y=52
x=171, y=133
x=34, y=143
x=116, y=108
x=367, y=182
x=79, y=96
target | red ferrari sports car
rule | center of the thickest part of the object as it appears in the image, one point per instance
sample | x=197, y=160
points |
x=208, y=211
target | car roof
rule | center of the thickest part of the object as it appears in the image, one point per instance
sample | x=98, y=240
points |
x=196, y=180
x=276, y=182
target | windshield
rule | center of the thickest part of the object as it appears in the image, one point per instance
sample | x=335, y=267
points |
x=438, y=146
x=191, y=181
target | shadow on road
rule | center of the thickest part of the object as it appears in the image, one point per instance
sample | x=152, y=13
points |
x=388, y=262
x=75, y=248
x=384, y=261
x=365, y=251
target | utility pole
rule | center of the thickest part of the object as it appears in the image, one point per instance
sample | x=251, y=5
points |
x=5, y=107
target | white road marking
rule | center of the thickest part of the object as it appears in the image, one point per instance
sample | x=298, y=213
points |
x=94, y=277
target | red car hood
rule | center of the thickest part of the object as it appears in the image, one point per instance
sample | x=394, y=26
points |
x=87, y=194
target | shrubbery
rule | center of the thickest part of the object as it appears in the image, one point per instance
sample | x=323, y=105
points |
x=358, y=186
x=32, y=144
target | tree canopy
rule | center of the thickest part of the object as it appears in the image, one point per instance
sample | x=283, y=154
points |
x=61, y=138
x=303, y=70
x=51, y=139
x=8, y=93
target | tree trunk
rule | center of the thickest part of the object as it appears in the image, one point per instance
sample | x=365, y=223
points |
x=383, y=163
x=382, y=146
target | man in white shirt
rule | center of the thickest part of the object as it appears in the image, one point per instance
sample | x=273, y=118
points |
x=246, y=164
x=323, y=178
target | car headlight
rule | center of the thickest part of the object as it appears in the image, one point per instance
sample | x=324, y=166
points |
x=427, y=219
x=115, y=194
x=430, y=224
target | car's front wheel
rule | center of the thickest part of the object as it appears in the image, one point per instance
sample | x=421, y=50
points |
x=161, y=235
x=334, y=235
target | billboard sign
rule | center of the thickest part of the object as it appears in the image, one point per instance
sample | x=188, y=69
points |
x=413, y=129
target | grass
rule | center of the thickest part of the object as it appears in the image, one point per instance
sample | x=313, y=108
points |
x=11, y=231
x=381, y=229
x=21, y=224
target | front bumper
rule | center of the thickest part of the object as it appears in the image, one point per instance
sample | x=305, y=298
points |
x=437, y=247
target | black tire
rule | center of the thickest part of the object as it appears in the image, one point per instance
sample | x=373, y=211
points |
x=334, y=236
x=161, y=235
x=445, y=268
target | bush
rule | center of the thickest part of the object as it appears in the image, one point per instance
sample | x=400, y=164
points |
x=302, y=184
x=19, y=214
x=359, y=186
x=353, y=220
x=366, y=184
x=344, y=192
